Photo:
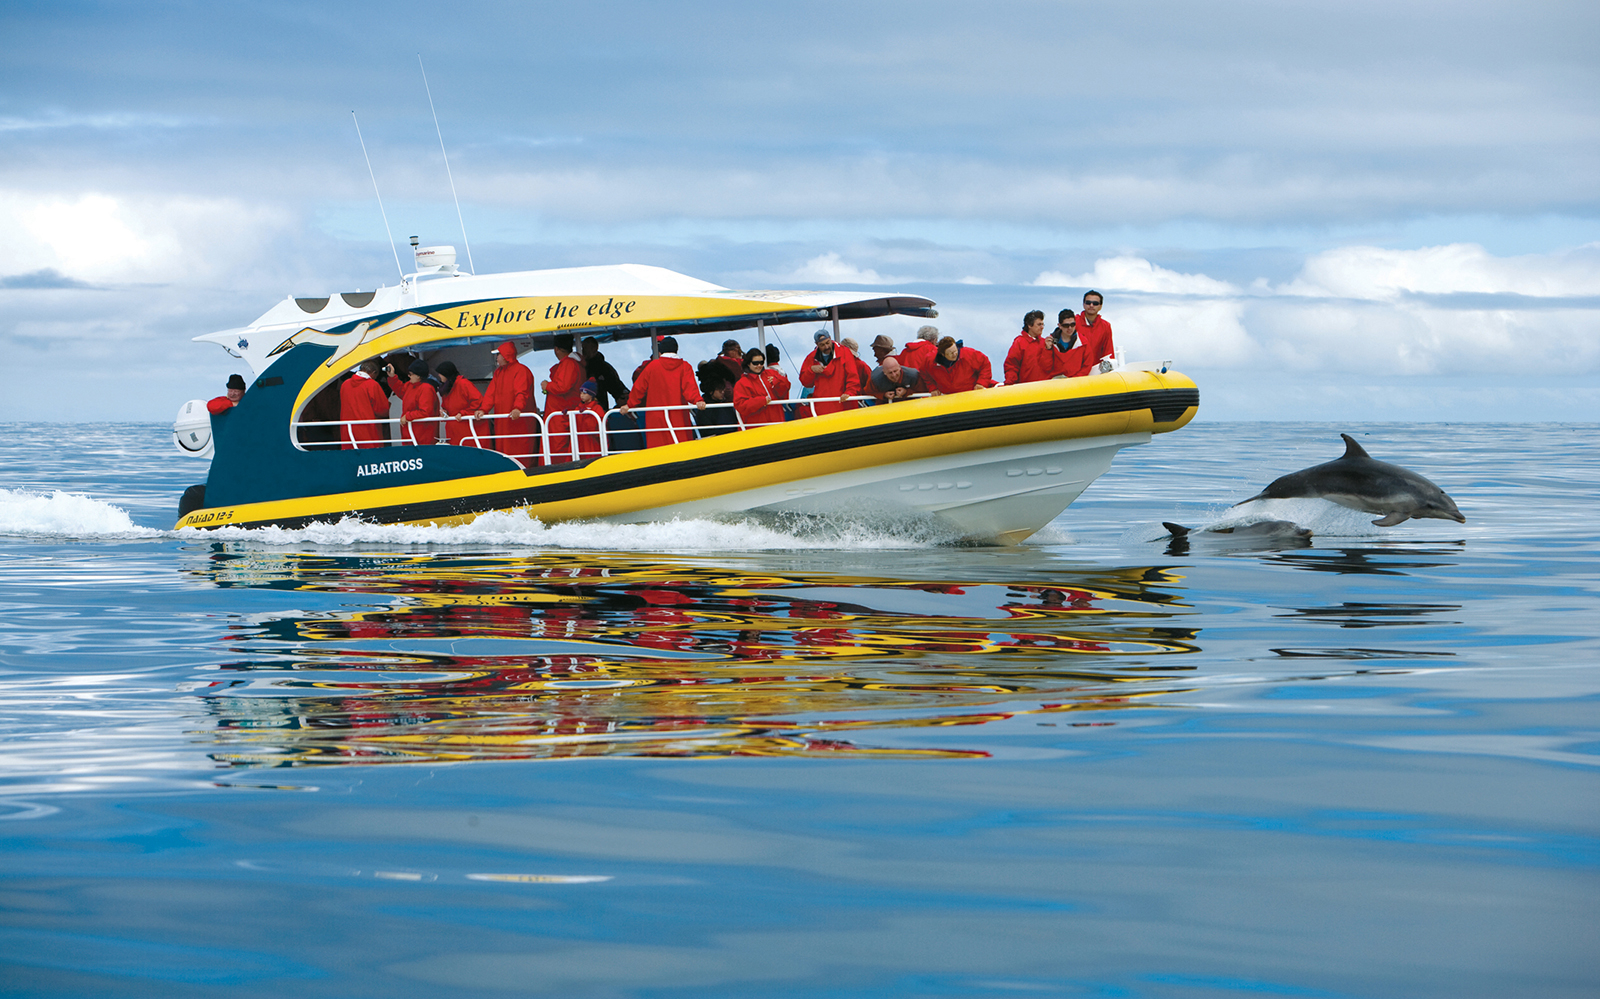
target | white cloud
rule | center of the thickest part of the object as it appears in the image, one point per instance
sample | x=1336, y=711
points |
x=829, y=268
x=119, y=238
x=1372, y=272
x=1129, y=273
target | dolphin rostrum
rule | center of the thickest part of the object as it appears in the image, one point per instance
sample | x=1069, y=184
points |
x=1259, y=529
x=1360, y=482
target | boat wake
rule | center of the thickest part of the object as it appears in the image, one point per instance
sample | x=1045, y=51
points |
x=511, y=529
x=63, y=515
x=66, y=515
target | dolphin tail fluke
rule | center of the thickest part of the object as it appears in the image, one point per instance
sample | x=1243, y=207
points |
x=1176, y=530
x=1352, y=449
x=1392, y=519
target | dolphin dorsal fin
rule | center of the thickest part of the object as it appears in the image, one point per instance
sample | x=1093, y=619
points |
x=1352, y=449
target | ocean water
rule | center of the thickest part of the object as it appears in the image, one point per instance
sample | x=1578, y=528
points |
x=809, y=759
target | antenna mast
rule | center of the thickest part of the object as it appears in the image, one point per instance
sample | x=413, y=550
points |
x=385, y=214
x=447, y=172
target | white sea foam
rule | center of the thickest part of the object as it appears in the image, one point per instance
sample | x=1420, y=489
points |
x=62, y=514
x=1322, y=518
x=519, y=530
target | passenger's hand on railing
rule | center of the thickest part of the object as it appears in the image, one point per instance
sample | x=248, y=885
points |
x=516, y=414
x=845, y=397
x=623, y=409
x=700, y=405
x=477, y=414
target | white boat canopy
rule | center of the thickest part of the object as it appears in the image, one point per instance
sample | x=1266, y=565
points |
x=529, y=308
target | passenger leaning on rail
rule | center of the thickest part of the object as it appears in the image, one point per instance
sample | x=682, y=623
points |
x=230, y=399
x=893, y=381
x=459, y=397
x=959, y=368
x=361, y=401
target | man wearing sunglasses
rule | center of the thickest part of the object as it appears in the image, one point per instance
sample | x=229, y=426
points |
x=1094, y=338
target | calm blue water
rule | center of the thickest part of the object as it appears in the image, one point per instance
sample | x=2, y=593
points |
x=731, y=760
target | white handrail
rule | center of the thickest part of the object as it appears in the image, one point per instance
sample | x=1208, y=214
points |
x=542, y=432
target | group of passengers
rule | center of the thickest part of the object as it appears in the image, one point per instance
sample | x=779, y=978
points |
x=744, y=387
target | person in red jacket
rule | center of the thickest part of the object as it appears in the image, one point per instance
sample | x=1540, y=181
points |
x=667, y=380
x=863, y=369
x=225, y=402
x=830, y=372
x=959, y=369
x=753, y=393
x=419, y=401
x=561, y=396
x=1033, y=357
x=460, y=398
x=511, y=392
x=361, y=399
x=920, y=352
x=566, y=375
x=1094, y=338
x=591, y=420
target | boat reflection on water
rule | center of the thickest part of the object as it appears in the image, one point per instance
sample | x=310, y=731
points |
x=442, y=657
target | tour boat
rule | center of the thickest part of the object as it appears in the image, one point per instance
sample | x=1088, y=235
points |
x=988, y=467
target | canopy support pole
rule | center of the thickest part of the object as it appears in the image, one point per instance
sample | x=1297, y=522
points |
x=834, y=312
x=761, y=332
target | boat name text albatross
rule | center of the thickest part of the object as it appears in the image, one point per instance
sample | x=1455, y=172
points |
x=384, y=467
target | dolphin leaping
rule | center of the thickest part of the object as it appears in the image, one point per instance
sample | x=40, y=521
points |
x=1360, y=482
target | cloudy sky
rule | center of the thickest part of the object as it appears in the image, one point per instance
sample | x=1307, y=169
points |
x=1335, y=211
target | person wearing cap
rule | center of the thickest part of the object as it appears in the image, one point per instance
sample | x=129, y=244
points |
x=460, y=398
x=361, y=401
x=230, y=398
x=920, y=352
x=1033, y=357
x=561, y=388
x=419, y=401
x=863, y=369
x=590, y=419
x=510, y=392
x=958, y=368
x=1094, y=338
x=753, y=394
x=830, y=372
x=666, y=380
x=882, y=347
x=732, y=358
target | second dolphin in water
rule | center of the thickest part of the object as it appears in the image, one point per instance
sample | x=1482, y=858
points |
x=1259, y=529
x=1361, y=482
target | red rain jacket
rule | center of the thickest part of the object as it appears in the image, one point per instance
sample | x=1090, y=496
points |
x=666, y=381
x=360, y=398
x=462, y=399
x=838, y=378
x=511, y=388
x=969, y=370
